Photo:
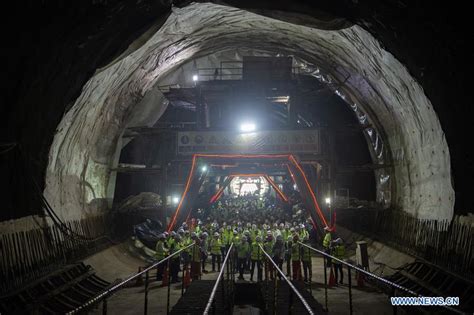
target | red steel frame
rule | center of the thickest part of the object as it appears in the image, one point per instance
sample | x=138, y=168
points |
x=290, y=157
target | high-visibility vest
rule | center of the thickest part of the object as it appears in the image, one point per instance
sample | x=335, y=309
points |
x=295, y=252
x=160, y=250
x=303, y=234
x=256, y=252
x=327, y=240
x=306, y=254
x=339, y=252
x=170, y=242
x=243, y=250
x=215, y=244
x=176, y=247
x=268, y=247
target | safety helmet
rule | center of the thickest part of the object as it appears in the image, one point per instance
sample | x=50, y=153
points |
x=279, y=237
x=235, y=232
x=204, y=234
x=254, y=226
x=193, y=234
x=166, y=234
x=161, y=236
x=282, y=225
x=216, y=234
x=247, y=232
x=173, y=233
x=180, y=231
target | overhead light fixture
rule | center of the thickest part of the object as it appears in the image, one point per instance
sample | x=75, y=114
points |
x=175, y=200
x=247, y=127
x=328, y=201
x=204, y=168
x=294, y=186
x=195, y=77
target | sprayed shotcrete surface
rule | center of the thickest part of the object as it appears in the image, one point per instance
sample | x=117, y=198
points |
x=124, y=93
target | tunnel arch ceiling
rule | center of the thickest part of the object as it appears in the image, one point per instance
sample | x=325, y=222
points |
x=87, y=142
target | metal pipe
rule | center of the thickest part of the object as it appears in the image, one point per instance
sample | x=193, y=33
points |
x=380, y=279
x=219, y=277
x=298, y=294
x=104, y=294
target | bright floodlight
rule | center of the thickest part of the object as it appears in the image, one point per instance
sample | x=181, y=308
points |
x=195, y=77
x=204, y=168
x=294, y=186
x=247, y=127
x=328, y=201
x=175, y=200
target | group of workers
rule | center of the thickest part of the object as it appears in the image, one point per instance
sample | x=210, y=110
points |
x=283, y=243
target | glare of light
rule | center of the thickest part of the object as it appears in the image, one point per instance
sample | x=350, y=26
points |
x=294, y=186
x=247, y=127
x=204, y=168
x=175, y=200
x=328, y=201
x=195, y=77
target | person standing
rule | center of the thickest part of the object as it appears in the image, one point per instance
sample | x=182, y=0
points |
x=195, y=257
x=204, y=250
x=256, y=258
x=243, y=250
x=306, y=259
x=339, y=251
x=296, y=258
x=279, y=252
x=161, y=253
x=327, y=245
x=268, y=247
x=215, y=246
x=174, y=261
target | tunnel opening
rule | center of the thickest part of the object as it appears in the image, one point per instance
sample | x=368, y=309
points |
x=118, y=164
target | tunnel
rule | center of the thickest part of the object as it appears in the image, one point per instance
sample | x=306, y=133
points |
x=130, y=123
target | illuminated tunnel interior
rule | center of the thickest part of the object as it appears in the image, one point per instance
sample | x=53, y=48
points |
x=140, y=130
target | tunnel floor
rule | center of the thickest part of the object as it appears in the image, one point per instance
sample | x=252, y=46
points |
x=366, y=300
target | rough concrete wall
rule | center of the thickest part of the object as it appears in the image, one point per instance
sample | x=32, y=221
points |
x=85, y=144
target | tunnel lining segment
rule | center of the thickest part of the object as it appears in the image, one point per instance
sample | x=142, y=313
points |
x=84, y=146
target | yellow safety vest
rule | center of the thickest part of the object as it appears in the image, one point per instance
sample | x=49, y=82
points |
x=268, y=247
x=256, y=253
x=215, y=246
x=306, y=255
x=327, y=240
x=295, y=252
x=160, y=250
x=339, y=252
